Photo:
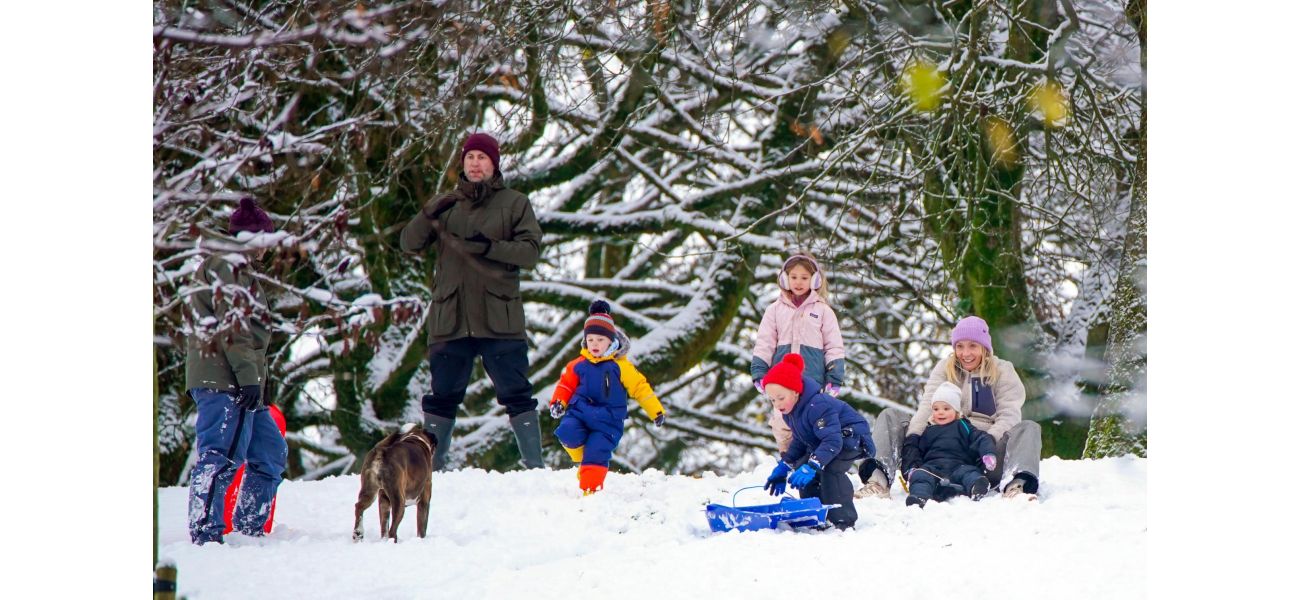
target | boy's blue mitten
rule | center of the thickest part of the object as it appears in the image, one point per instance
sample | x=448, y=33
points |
x=776, y=481
x=803, y=476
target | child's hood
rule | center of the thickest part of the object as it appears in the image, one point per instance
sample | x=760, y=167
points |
x=624, y=346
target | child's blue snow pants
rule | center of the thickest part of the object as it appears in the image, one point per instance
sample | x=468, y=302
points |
x=226, y=436
x=927, y=486
x=597, y=428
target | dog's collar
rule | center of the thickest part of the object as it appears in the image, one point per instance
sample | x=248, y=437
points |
x=414, y=434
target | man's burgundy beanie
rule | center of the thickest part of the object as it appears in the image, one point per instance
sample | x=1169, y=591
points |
x=487, y=145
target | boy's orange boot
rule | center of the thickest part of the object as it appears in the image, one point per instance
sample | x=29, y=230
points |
x=591, y=478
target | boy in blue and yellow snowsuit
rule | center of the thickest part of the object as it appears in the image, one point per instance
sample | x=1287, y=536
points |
x=591, y=398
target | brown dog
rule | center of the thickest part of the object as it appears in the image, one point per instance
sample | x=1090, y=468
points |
x=398, y=470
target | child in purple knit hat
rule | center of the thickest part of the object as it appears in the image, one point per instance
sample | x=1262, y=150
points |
x=249, y=217
x=225, y=376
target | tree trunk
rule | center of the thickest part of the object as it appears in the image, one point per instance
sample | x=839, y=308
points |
x=1118, y=424
x=1119, y=421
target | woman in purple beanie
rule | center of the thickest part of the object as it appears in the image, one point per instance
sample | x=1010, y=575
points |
x=992, y=396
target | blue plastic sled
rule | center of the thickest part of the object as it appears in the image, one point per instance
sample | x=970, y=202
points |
x=809, y=512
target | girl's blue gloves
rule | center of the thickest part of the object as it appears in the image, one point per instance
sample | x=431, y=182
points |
x=776, y=481
x=803, y=476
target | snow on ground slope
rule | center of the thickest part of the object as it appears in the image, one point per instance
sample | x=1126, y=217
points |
x=530, y=534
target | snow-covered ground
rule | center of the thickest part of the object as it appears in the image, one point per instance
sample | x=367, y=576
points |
x=530, y=534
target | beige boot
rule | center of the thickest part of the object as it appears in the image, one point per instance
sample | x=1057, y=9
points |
x=876, y=487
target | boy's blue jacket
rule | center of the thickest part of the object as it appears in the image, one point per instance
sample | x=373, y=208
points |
x=824, y=427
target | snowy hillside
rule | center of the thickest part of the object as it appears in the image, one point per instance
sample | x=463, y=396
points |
x=530, y=534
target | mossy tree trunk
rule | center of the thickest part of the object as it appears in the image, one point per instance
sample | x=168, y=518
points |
x=1119, y=422
x=972, y=208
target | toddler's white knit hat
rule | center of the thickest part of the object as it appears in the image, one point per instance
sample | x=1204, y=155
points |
x=949, y=394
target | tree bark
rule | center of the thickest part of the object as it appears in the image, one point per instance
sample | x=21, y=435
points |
x=1119, y=422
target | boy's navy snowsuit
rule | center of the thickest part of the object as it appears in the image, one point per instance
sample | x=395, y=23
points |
x=951, y=451
x=829, y=435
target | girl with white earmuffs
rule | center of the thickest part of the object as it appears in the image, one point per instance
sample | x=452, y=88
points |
x=799, y=322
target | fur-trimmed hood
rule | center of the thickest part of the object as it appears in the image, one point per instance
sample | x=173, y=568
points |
x=624, y=347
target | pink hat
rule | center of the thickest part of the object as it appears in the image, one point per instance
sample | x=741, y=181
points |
x=973, y=329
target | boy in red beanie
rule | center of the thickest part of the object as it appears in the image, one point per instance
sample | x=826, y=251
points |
x=828, y=436
x=591, y=398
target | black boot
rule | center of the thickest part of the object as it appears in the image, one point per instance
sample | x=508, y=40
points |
x=1022, y=483
x=1030, y=483
x=441, y=428
x=868, y=467
x=528, y=435
x=979, y=489
x=915, y=501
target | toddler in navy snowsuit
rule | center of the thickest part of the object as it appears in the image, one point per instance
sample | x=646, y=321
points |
x=946, y=459
x=828, y=436
x=591, y=398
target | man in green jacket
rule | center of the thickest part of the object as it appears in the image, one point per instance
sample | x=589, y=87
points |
x=225, y=371
x=483, y=233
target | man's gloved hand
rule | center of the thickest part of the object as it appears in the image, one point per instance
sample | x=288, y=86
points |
x=557, y=409
x=990, y=462
x=479, y=238
x=831, y=390
x=250, y=397
x=467, y=246
x=776, y=481
x=439, y=205
x=803, y=475
x=659, y=420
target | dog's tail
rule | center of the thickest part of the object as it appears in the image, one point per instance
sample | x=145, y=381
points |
x=372, y=473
